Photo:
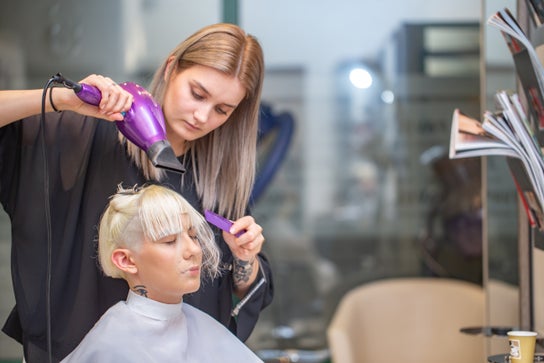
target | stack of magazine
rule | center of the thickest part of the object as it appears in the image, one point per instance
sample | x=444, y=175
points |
x=507, y=133
x=513, y=130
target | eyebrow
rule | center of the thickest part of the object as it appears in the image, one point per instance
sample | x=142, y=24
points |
x=201, y=86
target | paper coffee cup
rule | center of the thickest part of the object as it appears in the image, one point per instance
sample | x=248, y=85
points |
x=522, y=346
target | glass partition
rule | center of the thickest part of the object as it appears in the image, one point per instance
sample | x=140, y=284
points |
x=367, y=191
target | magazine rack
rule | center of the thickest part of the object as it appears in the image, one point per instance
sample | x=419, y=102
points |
x=531, y=240
x=530, y=237
x=516, y=131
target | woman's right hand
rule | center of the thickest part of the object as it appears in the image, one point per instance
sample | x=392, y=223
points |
x=115, y=99
x=19, y=104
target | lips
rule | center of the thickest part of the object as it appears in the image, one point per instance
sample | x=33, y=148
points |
x=191, y=126
x=192, y=270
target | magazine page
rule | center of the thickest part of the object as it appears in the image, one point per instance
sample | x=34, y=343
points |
x=468, y=139
x=509, y=127
x=516, y=116
x=495, y=125
x=527, y=174
x=516, y=38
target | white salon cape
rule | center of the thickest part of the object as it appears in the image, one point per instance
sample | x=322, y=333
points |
x=144, y=330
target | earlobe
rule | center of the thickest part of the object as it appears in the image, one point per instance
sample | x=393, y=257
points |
x=122, y=258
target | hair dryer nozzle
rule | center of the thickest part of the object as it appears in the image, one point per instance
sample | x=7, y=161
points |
x=162, y=156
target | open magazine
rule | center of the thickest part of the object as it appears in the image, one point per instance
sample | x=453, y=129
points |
x=528, y=65
x=505, y=133
x=468, y=138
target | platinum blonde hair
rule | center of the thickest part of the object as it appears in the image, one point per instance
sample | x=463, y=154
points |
x=151, y=212
x=225, y=159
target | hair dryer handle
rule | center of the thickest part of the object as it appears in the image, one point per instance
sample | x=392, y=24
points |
x=88, y=94
x=143, y=124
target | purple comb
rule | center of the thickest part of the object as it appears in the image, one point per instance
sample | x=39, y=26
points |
x=220, y=222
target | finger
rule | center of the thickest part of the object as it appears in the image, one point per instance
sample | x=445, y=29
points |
x=107, y=87
x=253, y=246
x=247, y=246
x=123, y=103
x=128, y=104
x=120, y=100
x=110, y=97
x=246, y=232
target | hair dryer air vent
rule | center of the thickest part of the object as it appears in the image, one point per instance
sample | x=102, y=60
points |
x=144, y=126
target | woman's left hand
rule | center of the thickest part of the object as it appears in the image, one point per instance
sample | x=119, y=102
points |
x=249, y=243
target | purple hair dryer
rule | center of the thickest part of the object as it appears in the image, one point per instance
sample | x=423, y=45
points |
x=143, y=123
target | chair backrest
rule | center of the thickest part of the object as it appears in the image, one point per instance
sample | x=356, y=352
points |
x=408, y=320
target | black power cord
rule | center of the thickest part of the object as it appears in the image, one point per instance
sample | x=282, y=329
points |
x=47, y=207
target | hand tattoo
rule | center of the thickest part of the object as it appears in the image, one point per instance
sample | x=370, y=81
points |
x=242, y=271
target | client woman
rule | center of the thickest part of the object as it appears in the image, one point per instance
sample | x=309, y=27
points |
x=155, y=240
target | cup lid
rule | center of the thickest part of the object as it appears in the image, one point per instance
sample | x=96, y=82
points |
x=523, y=333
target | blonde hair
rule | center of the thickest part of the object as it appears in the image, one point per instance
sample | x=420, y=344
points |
x=151, y=212
x=225, y=159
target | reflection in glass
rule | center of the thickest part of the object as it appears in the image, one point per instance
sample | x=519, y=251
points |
x=390, y=202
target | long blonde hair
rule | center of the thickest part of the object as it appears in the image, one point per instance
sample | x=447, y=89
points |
x=224, y=159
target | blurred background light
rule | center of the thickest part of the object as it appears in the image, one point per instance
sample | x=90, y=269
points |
x=388, y=96
x=360, y=78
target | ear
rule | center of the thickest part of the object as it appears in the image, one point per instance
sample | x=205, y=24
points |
x=168, y=68
x=122, y=258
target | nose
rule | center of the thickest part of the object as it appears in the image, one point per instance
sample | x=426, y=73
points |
x=202, y=114
x=192, y=248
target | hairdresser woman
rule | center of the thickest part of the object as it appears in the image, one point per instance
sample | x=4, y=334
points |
x=59, y=174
